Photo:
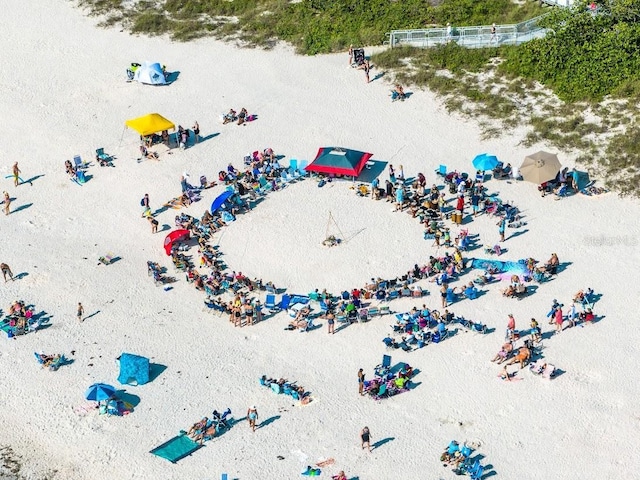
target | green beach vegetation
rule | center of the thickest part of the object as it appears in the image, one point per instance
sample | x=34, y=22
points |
x=578, y=88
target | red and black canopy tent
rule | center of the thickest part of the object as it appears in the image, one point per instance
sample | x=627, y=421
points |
x=339, y=161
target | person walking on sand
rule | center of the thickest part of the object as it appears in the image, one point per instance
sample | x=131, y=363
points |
x=252, y=416
x=511, y=326
x=494, y=32
x=558, y=318
x=6, y=270
x=365, y=436
x=16, y=175
x=196, y=131
x=80, y=312
x=7, y=203
x=144, y=203
x=361, y=382
x=449, y=32
x=502, y=225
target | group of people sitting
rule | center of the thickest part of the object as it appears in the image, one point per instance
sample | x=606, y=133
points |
x=281, y=385
x=208, y=428
x=233, y=116
x=19, y=319
x=386, y=383
x=564, y=182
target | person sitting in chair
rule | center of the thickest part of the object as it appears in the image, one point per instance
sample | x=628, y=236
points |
x=503, y=172
x=551, y=267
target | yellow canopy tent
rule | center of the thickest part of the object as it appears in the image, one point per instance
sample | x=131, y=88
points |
x=150, y=124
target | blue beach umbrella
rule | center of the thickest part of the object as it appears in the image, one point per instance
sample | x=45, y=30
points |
x=220, y=199
x=99, y=392
x=484, y=161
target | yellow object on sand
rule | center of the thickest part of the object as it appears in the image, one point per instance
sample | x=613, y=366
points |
x=149, y=124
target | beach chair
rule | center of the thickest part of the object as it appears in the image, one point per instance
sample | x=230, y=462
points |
x=285, y=302
x=270, y=303
x=363, y=315
x=382, y=392
x=417, y=292
x=302, y=165
x=382, y=370
x=107, y=259
x=293, y=165
x=385, y=310
x=373, y=311
x=79, y=164
x=406, y=292
x=441, y=170
x=477, y=475
x=393, y=294
x=102, y=156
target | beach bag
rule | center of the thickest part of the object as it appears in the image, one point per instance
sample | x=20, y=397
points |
x=142, y=202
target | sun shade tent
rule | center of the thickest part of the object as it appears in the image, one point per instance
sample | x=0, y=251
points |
x=150, y=74
x=339, y=161
x=150, y=124
x=134, y=369
x=175, y=236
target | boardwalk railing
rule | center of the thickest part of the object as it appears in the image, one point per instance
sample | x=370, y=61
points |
x=474, y=37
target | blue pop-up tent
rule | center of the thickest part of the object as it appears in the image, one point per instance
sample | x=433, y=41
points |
x=134, y=369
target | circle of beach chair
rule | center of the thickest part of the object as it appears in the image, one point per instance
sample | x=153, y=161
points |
x=387, y=383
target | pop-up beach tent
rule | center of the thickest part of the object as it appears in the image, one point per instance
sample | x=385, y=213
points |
x=150, y=124
x=150, y=74
x=134, y=369
x=339, y=161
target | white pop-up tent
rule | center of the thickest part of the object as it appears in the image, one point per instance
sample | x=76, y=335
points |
x=150, y=74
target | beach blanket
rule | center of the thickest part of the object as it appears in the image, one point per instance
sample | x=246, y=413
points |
x=177, y=448
x=504, y=269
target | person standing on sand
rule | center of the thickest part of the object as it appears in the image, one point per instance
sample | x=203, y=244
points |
x=80, y=312
x=365, y=436
x=331, y=322
x=16, y=174
x=196, y=131
x=502, y=225
x=6, y=270
x=350, y=54
x=361, y=382
x=252, y=416
x=144, y=203
x=7, y=203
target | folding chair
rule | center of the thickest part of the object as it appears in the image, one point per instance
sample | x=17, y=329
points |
x=270, y=302
x=373, y=311
x=442, y=170
x=302, y=165
x=79, y=164
x=385, y=310
x=102, y=156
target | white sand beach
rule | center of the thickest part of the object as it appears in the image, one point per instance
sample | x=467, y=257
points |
x=64, y=93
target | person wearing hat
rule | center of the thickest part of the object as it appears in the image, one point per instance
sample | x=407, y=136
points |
x=252, y=416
